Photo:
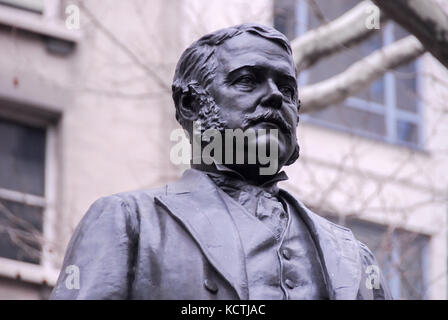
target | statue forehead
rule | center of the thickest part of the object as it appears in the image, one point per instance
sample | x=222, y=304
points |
x=252, y=49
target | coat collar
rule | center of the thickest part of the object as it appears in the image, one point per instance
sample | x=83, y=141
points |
x=194, y=200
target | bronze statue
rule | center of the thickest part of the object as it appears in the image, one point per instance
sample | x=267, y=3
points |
x=224, y=230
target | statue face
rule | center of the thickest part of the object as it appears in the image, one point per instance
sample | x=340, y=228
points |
x=256, y=76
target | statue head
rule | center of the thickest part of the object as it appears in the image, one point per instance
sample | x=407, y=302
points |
x=241, y=77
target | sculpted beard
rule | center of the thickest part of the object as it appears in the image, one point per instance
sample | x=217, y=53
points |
x=210, y=117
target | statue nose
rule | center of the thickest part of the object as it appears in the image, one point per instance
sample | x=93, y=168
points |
x=273, y=97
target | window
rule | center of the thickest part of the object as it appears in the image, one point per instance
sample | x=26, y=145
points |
x=28, y=179
x=402, y=256
x=41, y=17
x=389, y=108
x=27, y=210
x=22, y=191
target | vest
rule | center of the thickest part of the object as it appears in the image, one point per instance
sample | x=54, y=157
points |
x=278, y=267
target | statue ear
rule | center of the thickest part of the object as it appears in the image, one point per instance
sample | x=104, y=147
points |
x=187, y=107
x=189, y=103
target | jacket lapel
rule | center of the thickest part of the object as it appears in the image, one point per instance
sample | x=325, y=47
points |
x=338, y=251
x=195, y=203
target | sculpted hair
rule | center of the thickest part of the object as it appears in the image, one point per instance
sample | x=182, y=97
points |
x=197, y=65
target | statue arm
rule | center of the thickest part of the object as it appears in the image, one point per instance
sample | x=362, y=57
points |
x=99, y=260
x=373, y=278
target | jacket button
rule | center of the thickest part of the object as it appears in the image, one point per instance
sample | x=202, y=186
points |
x=290, y=284
x=210, y=286
x=286, y=254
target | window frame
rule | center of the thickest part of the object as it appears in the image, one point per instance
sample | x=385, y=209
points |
x=389, y=109
x=44, y=272
x=49, y=23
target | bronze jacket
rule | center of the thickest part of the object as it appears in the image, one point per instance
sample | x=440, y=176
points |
x=177, y=242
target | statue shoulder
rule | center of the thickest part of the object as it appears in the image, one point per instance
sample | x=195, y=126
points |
x=121, y=210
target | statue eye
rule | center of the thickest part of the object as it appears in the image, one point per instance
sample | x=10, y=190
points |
x=287, y=91
x=245, y=80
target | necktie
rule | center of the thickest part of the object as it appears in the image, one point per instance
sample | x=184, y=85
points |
x=258, y=201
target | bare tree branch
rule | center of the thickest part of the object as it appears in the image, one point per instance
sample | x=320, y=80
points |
x=317, y=11
x=424, y=19
x=123, y=47
x=347, y=30
x=125, y=95
x=360, y=74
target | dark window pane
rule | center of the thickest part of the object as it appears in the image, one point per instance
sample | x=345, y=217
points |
x=329, y=67
x=373, y=93
x=408, y=249
x=322, y=11
x=406, y=87
x=339, y=62
x=400, y=254
x=407, y=132
x=20, y=231
x=412, y=264
x=22, y=157
x=352, y=119
x=399, y=32
x=405, y=78
x=285, y=17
